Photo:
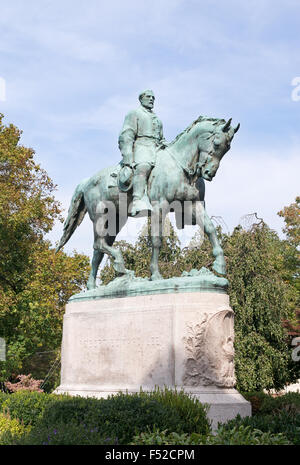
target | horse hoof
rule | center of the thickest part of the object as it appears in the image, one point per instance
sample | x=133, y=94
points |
x=125, y=272
x=120, y=268
x=90, y=286
x=219, y=268
x=156, y=276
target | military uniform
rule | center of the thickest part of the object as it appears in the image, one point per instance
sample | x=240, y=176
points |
x=140, y=137
x=139, y=140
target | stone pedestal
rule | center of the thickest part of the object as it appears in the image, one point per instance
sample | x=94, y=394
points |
x=182, y=340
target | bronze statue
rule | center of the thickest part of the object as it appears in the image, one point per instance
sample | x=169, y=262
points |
x=170, y=173
x=140, y=139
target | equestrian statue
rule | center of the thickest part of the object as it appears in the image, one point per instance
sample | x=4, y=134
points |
x=153, y=178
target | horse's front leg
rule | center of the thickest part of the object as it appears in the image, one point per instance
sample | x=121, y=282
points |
x=156, y=238
x=219, y=264
x=203, y=220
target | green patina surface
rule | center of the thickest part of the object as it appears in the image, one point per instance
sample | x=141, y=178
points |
x=129, y=286
x=152, y=177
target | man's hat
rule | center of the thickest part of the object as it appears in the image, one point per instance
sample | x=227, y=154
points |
x=125, y=178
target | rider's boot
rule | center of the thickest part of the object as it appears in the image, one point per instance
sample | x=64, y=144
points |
x=140, y=199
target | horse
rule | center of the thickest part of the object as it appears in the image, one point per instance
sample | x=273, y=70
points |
x=178, y=176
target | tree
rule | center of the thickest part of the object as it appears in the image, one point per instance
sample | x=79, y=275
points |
x=261, y=298
x=291, y=215
x=35, y=283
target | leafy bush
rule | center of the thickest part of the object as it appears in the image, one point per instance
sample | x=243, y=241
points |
x=25, y=383
x=193, y=414
x=245, y=435
x=263, y=403
x=238, y=435
x=3, y=397
x=63, y=434
x=10, y=429
x=120, y=416
x=256, y=399
x=281, y=423
x=289, y=402
x=27, y=406
x=157, y=437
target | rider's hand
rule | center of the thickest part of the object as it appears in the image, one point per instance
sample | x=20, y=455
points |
x=126, y=161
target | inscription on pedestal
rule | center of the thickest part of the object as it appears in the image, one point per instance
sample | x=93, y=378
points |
x=119, y=347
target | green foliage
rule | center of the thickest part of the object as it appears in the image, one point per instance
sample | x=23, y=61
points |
x=291, y=215
x=158, y=437
x=118, y=417
x=237, y=435
x=285, y=423
x=261, y=298
x=28, y=407
x=145, y=418
x=193, y=414
x=256, y=399
x=104, y=421
x=10, y=429
x=268, y=404
x=35, y=283
x=63, y=434
x=245, y=435
x=3, y=397
x=279, y=414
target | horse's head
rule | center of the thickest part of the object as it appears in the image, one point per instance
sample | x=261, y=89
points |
x=214, y=148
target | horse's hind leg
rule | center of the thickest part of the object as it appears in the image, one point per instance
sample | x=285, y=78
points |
x=103, y=244
x=96, y=260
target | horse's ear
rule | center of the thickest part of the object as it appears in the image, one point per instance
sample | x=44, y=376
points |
x=226, y=126
x=237, y=128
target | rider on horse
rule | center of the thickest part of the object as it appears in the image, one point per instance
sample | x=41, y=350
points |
x=140, y=139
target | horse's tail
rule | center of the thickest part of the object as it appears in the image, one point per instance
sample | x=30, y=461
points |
x=76, y=213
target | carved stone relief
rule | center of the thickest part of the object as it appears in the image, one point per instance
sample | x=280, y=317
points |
x=210, y=352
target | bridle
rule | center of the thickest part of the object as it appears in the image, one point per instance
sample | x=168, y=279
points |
x=192, y=174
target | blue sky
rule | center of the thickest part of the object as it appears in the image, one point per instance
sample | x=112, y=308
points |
x=73, y=69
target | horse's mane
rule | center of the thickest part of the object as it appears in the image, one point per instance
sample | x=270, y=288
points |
x=200, y=119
